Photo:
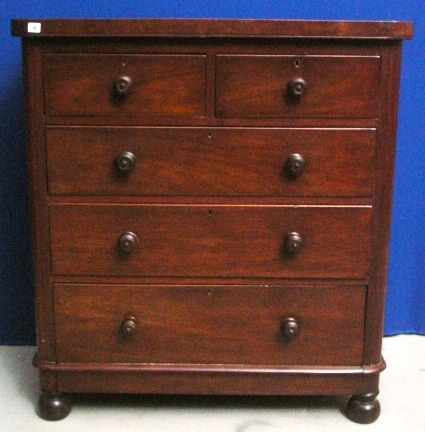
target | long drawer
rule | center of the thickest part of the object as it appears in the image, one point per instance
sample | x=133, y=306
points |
x=272, y=325
x=210, y=161
x=216, y=240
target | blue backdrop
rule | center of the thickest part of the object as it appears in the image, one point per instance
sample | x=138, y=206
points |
x=405, y=307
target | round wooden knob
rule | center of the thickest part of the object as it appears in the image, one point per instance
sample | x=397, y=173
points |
x=297, y=87
x=125, y=163
x=294, y=165
x=122, y=86
x=293, y=243
x=290, y=328
x=128, y=326
x=127, y=242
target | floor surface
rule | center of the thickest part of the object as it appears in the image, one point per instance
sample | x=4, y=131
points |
x=402, y=400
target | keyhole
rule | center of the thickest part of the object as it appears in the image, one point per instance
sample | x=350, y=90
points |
x=209, y=135
x=297, y=63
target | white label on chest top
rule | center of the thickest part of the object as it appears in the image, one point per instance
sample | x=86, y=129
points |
x=34, y=27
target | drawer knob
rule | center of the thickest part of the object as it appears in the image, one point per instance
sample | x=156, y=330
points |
x=297, y=87
x=128, y=326
x=127, y=242
x=290, y=328
x=125, y=163
x=294, y=165
x=293, y=243
x=122, y=86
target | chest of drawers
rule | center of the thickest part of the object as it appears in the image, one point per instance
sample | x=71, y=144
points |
x=210, y=204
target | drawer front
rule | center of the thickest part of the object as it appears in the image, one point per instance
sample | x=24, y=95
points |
x=265, y=86
x=209, y=324
x=213, y=161
x=216, y=240
x=95, y=84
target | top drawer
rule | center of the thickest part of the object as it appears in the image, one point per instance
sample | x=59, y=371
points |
x=108, y=84
x=297, y=86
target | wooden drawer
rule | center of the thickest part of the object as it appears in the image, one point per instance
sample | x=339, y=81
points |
x=216, y=240
x=83, y=84
x=210, y=161
x=258, y=86
x=209, y=324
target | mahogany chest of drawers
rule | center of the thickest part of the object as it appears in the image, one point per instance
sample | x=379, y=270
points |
x=211, y=203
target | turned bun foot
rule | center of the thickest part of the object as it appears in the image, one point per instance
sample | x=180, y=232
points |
x=363, y=408
x=53, y=407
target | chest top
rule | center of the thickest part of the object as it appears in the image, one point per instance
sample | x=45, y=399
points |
x=212, y=28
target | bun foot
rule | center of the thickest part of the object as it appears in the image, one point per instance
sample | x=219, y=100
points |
x=363, y=408
x=53, y=407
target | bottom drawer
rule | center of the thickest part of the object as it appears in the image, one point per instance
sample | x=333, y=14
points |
x=244, y=324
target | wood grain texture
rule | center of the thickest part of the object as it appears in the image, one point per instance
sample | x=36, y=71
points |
x=36, y=159
x=370, y=370
x=211, y=126
x=374, y=325
x=226, y=241
x=256, y=86
x=214, y=379
x=81, y=84
x=211, y=383
x=216, y=28
x=199, y=280
x=134, y=119
x=209, y=324
x=211, y=161
x=202, y=200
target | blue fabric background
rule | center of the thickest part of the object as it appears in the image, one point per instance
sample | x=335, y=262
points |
x=405, y=307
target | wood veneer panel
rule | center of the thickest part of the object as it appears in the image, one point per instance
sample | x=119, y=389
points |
x=225, y=241
x=81, y=84
x=257, y=86
x=209, y=324
x=216, y=27
x=213, y=161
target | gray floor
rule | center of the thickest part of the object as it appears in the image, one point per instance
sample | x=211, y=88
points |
x=402, y=400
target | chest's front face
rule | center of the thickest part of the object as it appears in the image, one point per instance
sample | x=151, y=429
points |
x=211, y=214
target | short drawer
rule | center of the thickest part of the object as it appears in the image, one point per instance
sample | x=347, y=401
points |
x=109, y=84
x=297, y=86
x=210, y=240
x=210, y=161
x=257, y=325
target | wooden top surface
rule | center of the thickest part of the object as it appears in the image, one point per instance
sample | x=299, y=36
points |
x=243, y=28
